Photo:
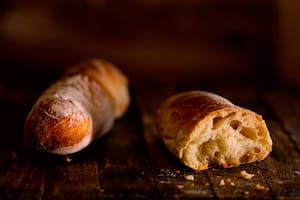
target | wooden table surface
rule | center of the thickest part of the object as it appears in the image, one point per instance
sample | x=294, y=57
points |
x=128, y=163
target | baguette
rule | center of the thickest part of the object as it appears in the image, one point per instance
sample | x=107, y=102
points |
x=78, y=108
x=206, y=130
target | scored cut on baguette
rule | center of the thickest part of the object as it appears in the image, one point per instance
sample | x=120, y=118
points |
x=204, y=130
x=77, y=108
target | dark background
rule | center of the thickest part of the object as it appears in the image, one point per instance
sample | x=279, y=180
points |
x=244, y=50
x=203, y=41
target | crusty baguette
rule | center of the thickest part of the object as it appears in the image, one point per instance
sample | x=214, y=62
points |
x=204, y=130
x=77, y=109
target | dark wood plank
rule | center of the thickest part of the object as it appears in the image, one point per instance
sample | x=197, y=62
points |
x=283, y=177
x=76, y=180
x=283, y=147
x=286, y=107
x=229, y=184
x=123, y=164
x=281, y=169
x=20, y=178
x=72, y=177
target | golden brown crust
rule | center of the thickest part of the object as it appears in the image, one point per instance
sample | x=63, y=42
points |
x=77, y=108
x=203, y=129
x=46, y=129
x=109, y=77
x=185, y=110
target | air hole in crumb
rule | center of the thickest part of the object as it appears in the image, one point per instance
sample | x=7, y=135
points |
x=248, y=133
x=257, y=150
x=217, y=122
x=235, y=124
x=217, y=154
x=245, y=158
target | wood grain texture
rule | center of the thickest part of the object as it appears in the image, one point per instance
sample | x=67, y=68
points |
x=129, y=163
x=285, y=105
x=20, y=177
x=77, y=180
x=123, y=165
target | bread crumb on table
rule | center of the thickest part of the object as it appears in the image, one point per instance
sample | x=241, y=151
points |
x=222, y=182
x=260, y=187
x=189, y=177
x=180, y=186
x=228, y=180
x=246, y=175
x=68, y=159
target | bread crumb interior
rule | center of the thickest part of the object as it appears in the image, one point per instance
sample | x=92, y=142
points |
x=227, y=141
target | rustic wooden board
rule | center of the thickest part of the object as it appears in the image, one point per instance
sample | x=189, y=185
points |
x=123, y=165
x=286, y=107
x=130, y=163
x=20, y=177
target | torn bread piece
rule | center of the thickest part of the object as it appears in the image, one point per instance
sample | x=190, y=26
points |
x=203, y=129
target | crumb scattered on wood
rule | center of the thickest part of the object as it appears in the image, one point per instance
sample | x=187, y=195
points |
x=280, y=182
x=246, y=175
x=222, y=182
x=180, y=186
x=260, y=187
x=189, y=177
x=228, y=180
x=246, y=192
x=68, y=159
